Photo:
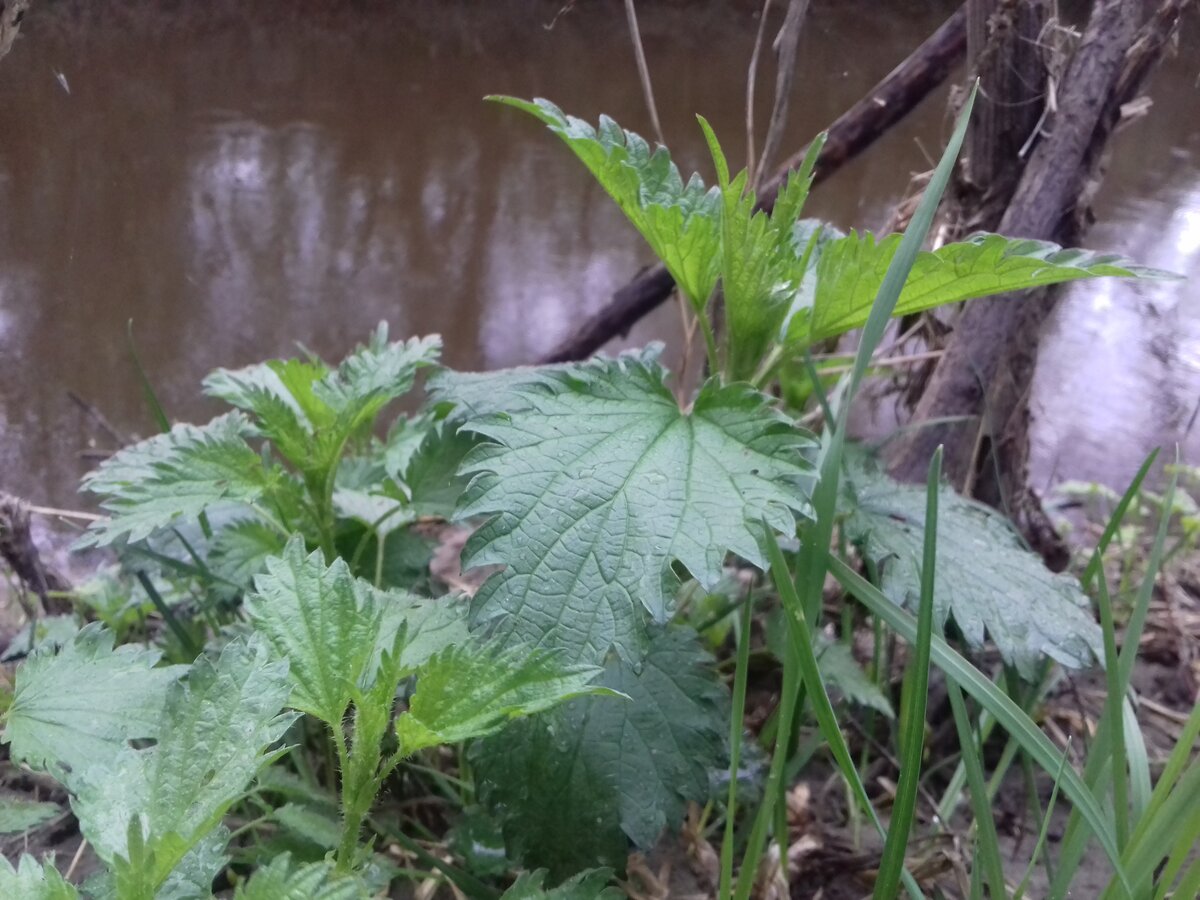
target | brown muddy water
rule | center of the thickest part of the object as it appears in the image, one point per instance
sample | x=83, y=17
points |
x=237, y=178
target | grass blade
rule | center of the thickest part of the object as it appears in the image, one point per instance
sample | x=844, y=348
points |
x=987, y=850
x=912, y=727
x=814, y=551
x=1074, y=840
x=1113, y=704
x=801, y=639
x=1042, y=832
x=1000, y=705
x=735, y=746
x=156, y=410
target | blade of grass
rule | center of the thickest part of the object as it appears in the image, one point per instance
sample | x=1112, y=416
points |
x=801, y=638
x=1074, y=841
x=156, y=411
x=814, y=551
x=1155, y=836
x=1186, y=841
x=735, y=747
x=1000, y=705
x=1115, y=520
x=185, y=639
x=1042, y=832
x=1113, y=702
x=916, y=689
x=987, y=844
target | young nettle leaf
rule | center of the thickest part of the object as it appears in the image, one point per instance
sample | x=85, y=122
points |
x=762, y=262
x=851, y=269
x=468, y=691
x=986, y=580
x=282, y=879
x=78, y=705
x=680, y=222
x=323, y=622
x=175, y=477
x=573, y=786
x=154, y=808
x=241, y=549
x=309, y=412
x=33, y=880
x=432, y=477
x=589, y=885
x=597, y=481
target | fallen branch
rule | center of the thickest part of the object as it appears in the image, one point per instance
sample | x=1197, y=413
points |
x=855, y=130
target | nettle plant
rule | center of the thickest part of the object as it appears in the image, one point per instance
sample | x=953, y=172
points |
x=287, y=548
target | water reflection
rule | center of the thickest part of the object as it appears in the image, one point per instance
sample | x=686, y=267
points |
x=240, y=180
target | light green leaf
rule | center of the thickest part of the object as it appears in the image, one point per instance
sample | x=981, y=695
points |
x=18, y=814
x=850, y=271
x=986, y=580
x=430, y=626
x=762, y=263
x=404, y=439
x=308, y=411
x=177, y=476
x=279, y=395
x=376, y=373
x=153, y=807
x=589, y=885
x=77, y=705
x=323, y=622
x=32, y=880
x=378, y=511
x=571, y=786
x=681, y=223
x=470, y=691
x=281, y=879
x=599, y=481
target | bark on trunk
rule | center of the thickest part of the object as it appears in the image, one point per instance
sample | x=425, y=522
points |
x=11, y=14
x=988, y=367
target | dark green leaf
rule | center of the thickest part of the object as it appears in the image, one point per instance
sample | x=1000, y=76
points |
x=177, y=476
x=986, y=580
x=601, y=481
x=572, y=785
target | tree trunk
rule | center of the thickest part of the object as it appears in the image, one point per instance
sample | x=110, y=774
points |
x=11, y=14
x=987, y=369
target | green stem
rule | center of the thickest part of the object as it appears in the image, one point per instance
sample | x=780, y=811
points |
x=352, y=814
x=710, y=345
x=735, y=745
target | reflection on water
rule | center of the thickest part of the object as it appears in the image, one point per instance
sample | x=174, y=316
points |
x=236, y=183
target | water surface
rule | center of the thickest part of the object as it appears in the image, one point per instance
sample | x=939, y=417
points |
x=237, y=180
